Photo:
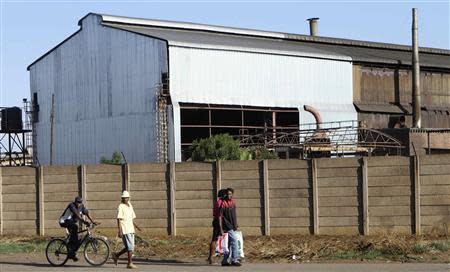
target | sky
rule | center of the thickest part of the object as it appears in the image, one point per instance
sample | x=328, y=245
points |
x=31, y=28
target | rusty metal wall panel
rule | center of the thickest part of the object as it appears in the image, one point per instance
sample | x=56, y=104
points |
x=387, y=85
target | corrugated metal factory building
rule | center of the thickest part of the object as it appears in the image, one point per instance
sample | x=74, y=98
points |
x=108, y=77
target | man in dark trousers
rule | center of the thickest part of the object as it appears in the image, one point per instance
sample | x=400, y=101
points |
x=69, y=219
x=228, y=224
x=216, y=224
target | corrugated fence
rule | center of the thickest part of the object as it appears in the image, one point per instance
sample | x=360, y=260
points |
x=324, y=196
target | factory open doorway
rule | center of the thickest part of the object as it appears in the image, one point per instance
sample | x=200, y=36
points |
x=200, y=121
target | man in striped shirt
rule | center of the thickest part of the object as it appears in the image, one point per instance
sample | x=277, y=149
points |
x=229, y=225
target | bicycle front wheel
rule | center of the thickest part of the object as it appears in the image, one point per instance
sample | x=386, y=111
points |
x=96, y=251
x=57, y=252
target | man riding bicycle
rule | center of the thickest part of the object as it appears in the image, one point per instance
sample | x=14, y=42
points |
x=69, y=219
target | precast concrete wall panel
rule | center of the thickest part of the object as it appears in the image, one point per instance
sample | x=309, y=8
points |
x=245, y=178
x=435, y=193
x=391, y=191
x=19, y=211
x=60, y=188
x=290, y=192
x=339, y=203
x=194, y=197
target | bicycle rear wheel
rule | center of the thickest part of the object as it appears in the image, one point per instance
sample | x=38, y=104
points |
x=57, y=252
x=96, y=251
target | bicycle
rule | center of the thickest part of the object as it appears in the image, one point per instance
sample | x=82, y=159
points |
x=96, y=249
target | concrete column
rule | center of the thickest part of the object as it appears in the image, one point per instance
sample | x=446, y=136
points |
x=265, y=176
x=365, y=195
x=172, y=216
x=40, y=199
x=315, y=192
x=218, y=166
x=1, y=201
x=417, y=221
x=82, y=183
x=126, y=177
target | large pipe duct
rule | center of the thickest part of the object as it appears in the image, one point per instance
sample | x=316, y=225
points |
x=315, y=113
x=313, y=26
x=415, y=73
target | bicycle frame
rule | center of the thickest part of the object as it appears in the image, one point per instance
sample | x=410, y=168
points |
x=86, y=238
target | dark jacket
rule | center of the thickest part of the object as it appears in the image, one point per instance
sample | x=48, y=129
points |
x=228, y=215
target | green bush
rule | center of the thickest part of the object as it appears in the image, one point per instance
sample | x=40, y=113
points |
x=225, y=147
x=115, y=159
x=217, y=147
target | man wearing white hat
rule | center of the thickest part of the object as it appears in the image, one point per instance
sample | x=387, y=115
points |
x=125, y=226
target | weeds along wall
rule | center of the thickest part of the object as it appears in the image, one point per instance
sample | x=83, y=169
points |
x=326, y=196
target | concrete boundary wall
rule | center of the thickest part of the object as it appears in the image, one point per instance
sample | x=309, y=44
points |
x=325, y=196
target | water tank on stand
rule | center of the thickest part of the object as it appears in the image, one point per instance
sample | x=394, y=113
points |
x=11, y=119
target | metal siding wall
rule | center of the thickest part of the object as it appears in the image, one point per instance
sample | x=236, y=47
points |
x=104, y=81
x=205, y=76
x=257, y=79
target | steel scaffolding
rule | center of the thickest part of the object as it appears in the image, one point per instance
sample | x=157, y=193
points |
x=332, y=139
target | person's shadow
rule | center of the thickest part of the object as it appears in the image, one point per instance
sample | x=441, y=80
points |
x=141, y=261
x=172, y=262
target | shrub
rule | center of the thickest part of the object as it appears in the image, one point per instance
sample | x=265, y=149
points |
x=116, y=158
x=217, y=147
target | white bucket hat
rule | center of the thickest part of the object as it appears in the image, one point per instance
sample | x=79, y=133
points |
x=125, y=194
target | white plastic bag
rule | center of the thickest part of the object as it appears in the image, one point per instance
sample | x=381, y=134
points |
x=240, y=242
x=222, y=244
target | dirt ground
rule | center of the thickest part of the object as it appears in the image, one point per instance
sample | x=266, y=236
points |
x=279, y=249
x=296, y=249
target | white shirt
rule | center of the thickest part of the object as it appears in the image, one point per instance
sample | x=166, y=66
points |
x=126, y=214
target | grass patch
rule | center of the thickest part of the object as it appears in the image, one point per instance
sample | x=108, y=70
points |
x=371, y=254
x=23, y=247
x=420, y=248
x=442, y=246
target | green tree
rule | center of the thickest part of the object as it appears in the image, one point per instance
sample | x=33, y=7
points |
x=115, y=159
x=217, y=147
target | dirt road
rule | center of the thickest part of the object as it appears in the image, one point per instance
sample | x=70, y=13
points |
x=36, y=262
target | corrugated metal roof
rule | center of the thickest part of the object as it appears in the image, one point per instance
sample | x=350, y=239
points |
x=359, y=51
x=195, y=39
x=387, y=56
x=382, y=108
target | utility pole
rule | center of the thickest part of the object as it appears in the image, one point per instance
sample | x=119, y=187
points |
x=417, y=120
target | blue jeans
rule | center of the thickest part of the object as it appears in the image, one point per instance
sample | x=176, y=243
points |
x=233, y=247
